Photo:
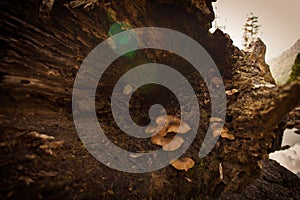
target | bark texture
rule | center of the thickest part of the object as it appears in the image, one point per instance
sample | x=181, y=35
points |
x=43, y=44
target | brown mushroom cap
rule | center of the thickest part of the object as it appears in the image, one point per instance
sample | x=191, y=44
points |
x=179, y=128
x=225, y=134
x=215, y=119
x=167, y=124
x=215, y=126
x=168, y=144
x=157, y=139
x=127, y=89
x=216, y=133
x=171, y=144
x=172, y=124
x=153, y=129
x=165, y=119
x=183, y=163
x=231, y=92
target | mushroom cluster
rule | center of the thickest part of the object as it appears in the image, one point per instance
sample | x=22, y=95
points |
x=160, y=136
x=218, y=129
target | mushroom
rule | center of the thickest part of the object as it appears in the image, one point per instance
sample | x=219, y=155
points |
x=172, y=144
x=168, y=143
x=167, y=119
x=127, y=89
x=167, y=124
x=225, y=134
x=179, y=128
x=157, y=139
x=216, y=127
x=231, y=92
x=183, y=163
x=153, y=129
x=171, y=124
x=215, y=119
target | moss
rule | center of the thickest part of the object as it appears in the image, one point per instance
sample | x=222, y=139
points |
x=295, y=69
x=200, y=165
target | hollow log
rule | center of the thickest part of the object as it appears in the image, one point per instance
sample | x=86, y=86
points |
x=43, y=45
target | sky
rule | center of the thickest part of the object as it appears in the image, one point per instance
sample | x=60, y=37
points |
x=279, y=20
x=289, y=158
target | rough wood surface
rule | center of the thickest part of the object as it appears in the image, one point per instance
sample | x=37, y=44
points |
x=41, y=53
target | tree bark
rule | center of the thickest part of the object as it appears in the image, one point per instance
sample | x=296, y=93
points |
x=44, y=43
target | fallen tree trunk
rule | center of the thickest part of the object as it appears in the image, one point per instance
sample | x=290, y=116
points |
x=43, y=46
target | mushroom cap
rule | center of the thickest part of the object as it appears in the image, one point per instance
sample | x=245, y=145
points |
x=215, y=119
x=163, y=131
x=165, y=119
x=216, y=133
x=157, y=139
x=172, y=144
x=216, y=126
x=231, y=92
x=153, y=129
x=127, y=89
x=183, y=163
x=168, y=143
x=179, y=128
x=172, y=124
x=225, y=134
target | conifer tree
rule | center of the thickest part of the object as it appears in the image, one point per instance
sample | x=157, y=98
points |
x=251, y=29
x=295, y=69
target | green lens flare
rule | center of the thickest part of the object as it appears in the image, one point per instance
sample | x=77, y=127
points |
x=120, y=27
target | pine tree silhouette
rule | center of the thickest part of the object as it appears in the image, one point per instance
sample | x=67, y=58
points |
x=251, y=29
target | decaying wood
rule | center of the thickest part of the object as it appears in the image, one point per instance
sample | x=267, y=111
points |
x=43, y=45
